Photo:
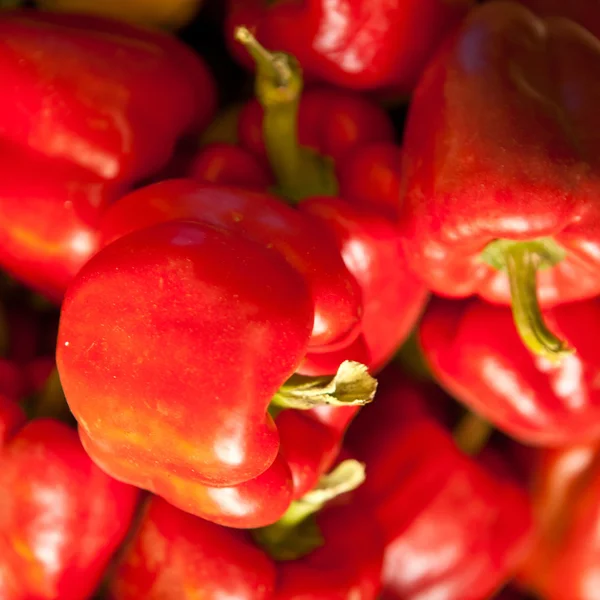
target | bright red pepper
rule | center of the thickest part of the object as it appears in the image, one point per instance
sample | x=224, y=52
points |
x=169, y=352
x=474, y=350
x=360, y=44
x=322, y=143
x=48, y=223
x=452, y=530
x=500, y=167
x=194, y=552
x=566, y=500
x=61, y=518
x=77, y=88
x=263, y=219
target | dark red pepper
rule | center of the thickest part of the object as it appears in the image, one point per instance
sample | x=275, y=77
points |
x=563, y=562
x=360, y=44
x=61, y=518
x=452, y=530
x=77, y=89
x=474, y=350
x=500, y=167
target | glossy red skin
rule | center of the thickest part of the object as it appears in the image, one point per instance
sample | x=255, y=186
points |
x=48, y=223
x=504, y=146
x=308, y=449
x=348, y=565
x=147, y=306
x=174, y=555
x=360, y=44
x=263, y=219
x=61, y=518
x=393, y=298
x=584, y=12
x=452, y=530
x=474, y=350
x=81, y=85
x=564, y=559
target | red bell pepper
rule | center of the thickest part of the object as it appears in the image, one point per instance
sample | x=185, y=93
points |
x=500, y=169
x=158, y=335
x=61, y=518
x=179, y=288
x=452, y=530
x=77, y=88
x=563, y=562
x=345, y=564
x=313, y=143
x=360, y=44
x=475, y=352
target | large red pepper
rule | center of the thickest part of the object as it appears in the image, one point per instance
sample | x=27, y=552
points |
x=61, y=518
x=327, y=142
x=563, y=562
x=75, y=112
x=474, y=350
x=360, y=44
x=77, y=88
x=500, y=167
x=452, y=530
x=346, y=563
x=188, y=315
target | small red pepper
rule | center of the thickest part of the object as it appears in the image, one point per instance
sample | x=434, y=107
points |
x=360, y=44
x=346, y=562
x=474, y=350
x=61, y=518
x=500, y=167
x=77, y=89
x=452, y=530
x=563, y=562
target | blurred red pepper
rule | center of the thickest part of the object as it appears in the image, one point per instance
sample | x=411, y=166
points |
x=321, y=143
x=61, y=518
x=77, y=88
x=347, y=563
x=566, y=501
x=452, y=530
x=474, y=350
x=584, y=12
x=360, y=44
x=500, y=167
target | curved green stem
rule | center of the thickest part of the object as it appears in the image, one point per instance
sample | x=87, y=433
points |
x=300, y=173
x=522, y=260
x=296, y=533
x=472, y=433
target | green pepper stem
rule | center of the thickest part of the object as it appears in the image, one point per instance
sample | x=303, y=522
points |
x=296, y=533
x=472, y=433
x=522, y=264
x=300, y=173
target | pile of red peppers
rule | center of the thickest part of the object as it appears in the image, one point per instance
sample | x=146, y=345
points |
x=298, y=300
